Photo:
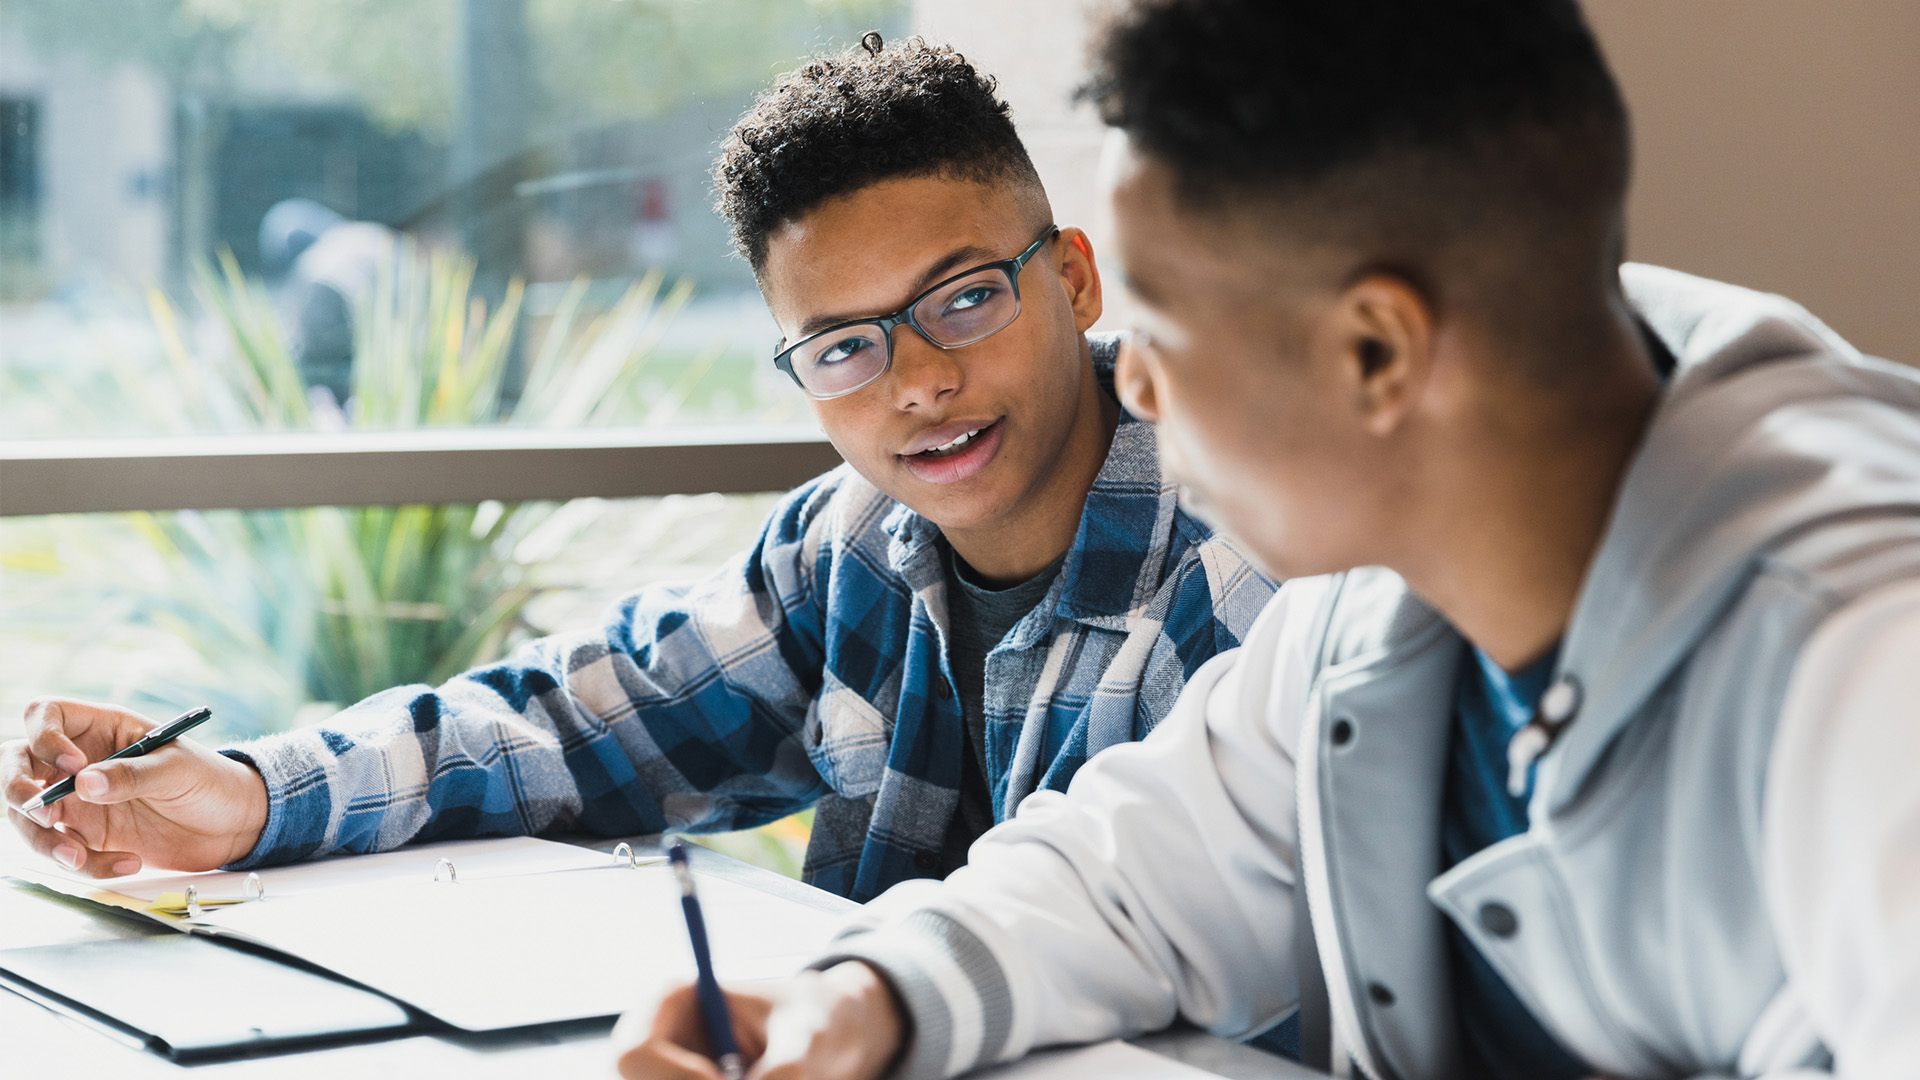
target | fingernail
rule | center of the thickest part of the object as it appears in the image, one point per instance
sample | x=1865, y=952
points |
x=90, y=785
x=70, y=763
x=68, y=856
x=125, y=867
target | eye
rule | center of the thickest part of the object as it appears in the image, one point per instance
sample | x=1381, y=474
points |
x=841, y=351
x=971, y=297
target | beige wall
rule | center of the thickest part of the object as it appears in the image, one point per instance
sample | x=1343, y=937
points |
x=1037, y=49
x=1778, y=146
x=1778, y=141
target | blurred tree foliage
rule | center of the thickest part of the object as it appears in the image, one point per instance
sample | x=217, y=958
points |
x=596, y=59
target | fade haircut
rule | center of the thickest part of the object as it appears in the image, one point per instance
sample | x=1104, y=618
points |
x=1481, y=141
x=840, y=123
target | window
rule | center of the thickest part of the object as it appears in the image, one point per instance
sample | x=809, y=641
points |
x=207, y=161
x=332, y=219
x=19, y=193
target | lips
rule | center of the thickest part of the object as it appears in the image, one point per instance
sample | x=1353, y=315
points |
x=952, y=452
x=946, y=433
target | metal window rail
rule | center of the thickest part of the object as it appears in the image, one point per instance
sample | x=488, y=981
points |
x=83, y=476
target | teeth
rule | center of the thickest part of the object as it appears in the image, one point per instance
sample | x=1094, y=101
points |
x=956, y=444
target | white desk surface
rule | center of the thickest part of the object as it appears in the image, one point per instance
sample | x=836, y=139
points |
x=36, y=1041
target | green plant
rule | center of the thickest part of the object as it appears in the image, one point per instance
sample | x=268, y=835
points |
x=271, y=616
x=330, y=604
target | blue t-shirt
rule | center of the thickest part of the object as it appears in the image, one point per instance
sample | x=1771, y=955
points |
x=1503, y=1040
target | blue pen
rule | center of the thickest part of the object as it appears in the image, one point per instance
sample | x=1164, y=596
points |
x=713, y=1003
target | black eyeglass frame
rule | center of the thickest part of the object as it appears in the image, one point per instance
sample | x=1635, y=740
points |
x=904, y=317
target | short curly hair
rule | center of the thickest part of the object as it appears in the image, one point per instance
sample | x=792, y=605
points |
x=1510, y=97
x=842, y=122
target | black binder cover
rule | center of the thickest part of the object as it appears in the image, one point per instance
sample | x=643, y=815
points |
x=191, y=999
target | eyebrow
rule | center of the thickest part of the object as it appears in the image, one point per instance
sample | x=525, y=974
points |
x=966, y=256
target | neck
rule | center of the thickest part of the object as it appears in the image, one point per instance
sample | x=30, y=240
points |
x=1014, y=547
x=1519, y=515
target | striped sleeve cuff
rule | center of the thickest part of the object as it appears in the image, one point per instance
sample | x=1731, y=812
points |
x=955, y=994
x=298, y=805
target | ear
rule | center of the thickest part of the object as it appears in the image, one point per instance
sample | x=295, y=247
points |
x=1382, y=338
x=1133, y=382
x=1073, y=253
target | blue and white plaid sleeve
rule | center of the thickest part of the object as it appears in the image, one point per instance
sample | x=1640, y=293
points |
x=685, y=711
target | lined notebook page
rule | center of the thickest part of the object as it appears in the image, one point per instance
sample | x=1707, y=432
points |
x=507, y=951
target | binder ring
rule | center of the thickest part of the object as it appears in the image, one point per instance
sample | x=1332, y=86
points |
x=453, y=876
x=256, y=890
x=625, y=851
x=193, y=903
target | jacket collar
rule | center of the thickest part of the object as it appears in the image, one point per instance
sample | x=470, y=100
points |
x=1771, y=427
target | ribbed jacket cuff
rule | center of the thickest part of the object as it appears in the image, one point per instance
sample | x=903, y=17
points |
x=956, y=996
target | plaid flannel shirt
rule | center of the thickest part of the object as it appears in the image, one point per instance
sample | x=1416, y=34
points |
x=810, y=671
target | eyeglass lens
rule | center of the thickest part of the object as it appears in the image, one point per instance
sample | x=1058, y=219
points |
x=958, y=313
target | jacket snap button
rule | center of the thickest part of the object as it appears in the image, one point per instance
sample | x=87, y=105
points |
x=1342, y=732
x=941, y=688
x=925, y=860
x=1380, y=994
x=1498, y=919
x=1561, y=701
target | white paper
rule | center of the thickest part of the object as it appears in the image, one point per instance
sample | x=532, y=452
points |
x=508, y=951
x=473, y=860
x=1107, y=1061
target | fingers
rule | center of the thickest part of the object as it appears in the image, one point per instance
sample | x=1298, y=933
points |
x=69, y=851
x=163, y=774
x=837, y=1024
x=658, y=1059
x=21, y=778
x=47, y=738
x=671, y=1040
x=67, y=734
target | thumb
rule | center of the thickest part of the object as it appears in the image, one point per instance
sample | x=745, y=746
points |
x=155, y=776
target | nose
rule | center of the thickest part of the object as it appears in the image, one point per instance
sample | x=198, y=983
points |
x=923, y=374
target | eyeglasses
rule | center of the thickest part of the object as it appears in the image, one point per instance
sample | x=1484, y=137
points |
x=961, y=310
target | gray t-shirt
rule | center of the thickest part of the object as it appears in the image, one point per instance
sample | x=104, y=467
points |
x=979, y=618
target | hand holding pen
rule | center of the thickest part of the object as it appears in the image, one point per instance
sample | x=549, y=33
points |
x=107, y=810
x=713, y=1003
x=843, y=1023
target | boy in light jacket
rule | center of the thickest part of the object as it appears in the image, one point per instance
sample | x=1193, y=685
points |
x=1582, y=741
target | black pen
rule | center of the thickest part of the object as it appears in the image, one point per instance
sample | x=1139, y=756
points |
x=141, y=747
x=713, y=1003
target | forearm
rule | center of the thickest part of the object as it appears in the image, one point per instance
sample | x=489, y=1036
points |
x=1842, y=830
x=417, y=763
x=573, y=730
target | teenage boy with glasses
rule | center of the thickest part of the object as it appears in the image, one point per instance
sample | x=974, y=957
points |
x=1589, y=751
x=998, y=585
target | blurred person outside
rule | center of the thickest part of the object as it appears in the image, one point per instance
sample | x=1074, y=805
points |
x=329, y=268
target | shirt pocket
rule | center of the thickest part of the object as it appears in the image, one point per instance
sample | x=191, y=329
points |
x=847, y=737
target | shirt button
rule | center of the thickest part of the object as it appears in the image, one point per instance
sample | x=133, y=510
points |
x=926, y=860
x=1498, y=919
x=942, y=690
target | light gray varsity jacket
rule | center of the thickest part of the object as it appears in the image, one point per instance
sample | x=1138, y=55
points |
x=1722, y=873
